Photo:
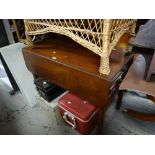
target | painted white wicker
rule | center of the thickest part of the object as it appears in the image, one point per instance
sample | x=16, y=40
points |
x=98, y=35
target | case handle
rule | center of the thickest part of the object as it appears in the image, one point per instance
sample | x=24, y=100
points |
x=66, y=114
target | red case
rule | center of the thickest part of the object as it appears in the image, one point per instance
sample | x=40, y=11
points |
x=78, y=113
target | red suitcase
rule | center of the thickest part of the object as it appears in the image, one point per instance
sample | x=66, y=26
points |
x=78, y=113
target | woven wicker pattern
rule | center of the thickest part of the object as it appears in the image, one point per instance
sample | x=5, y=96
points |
x=98, y=35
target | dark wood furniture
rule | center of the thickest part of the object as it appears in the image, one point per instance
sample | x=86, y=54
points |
x=3, y=39
x=75, y=68
x=135, y=81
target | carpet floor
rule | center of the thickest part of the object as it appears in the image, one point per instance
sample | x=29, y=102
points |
x=17, y=118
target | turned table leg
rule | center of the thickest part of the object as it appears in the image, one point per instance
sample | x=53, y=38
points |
x=119, y=101
x=100, y=121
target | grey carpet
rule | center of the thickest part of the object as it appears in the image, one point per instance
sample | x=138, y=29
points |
x=119, y=123
x=18, y=118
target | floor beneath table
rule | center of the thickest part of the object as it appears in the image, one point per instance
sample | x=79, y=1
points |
x=18, y=118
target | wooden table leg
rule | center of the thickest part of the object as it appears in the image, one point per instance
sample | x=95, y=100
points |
x=119, y=101
x=100, y=121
